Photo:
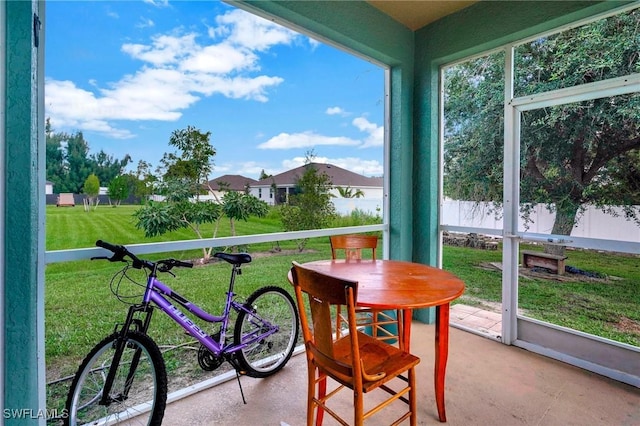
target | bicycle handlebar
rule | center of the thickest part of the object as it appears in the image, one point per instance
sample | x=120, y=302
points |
x=120, y=252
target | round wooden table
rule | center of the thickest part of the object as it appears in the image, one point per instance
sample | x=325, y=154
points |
x=392, y=284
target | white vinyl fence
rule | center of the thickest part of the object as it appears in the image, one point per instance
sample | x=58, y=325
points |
x=345, y=206
x=592, y=224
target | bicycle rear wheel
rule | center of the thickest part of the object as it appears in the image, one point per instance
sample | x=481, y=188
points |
x=267, y=306
x=141, y=369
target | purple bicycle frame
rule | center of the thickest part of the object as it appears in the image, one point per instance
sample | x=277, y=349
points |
x=154, y=293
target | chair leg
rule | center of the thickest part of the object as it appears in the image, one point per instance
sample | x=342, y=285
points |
x=311, y=394
x=401, y=329
x=358, y=408
x=322, y=392
x=412, y=398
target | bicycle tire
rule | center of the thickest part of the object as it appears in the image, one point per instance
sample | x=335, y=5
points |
x=269, y=355
x=146, y=399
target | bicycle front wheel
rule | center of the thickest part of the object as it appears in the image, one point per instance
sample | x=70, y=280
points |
x=267, y=307
x=139, y=391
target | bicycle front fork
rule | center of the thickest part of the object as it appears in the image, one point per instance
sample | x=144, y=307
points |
x=139, y=323
x=132, y=323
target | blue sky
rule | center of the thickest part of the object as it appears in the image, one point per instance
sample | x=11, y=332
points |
x=128, y=73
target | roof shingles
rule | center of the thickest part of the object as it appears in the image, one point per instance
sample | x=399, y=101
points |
x=231, y=182
x=338, y=175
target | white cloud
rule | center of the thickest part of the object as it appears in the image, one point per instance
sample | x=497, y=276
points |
x=336, y=111
x=158, y=3
x=79, y=109
x=296, y=162
x=151, y=94
x=223, y=169
x=375, y=133
x=145, y=23
x=313, y=43
x=253, y=169
x=220, y=59
x=353, y=164
x=250, y=169
x=238, y=87
x=164, y=49
x=178, y=69
x=374, y=137
x=360, y=166
x=244, y=29
x=305, y=140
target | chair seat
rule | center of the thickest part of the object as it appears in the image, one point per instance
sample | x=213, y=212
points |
x=376, y=357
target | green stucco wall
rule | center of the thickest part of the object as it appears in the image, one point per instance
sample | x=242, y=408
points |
x=23, y=362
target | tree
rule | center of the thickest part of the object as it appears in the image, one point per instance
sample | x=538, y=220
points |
x=157, y=218
x=106, y=167
x=119, y=189
x=77, y=168
x=68, y=162
x=55, y=158
x=241, y=206
x=572, y=155
x=347, y=192
x=143, y=181
x=194, y=161
x=263, y=175
x=185, y=174
x=91, y=189
x=310, y=207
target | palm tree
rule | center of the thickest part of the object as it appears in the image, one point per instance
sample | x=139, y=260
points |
x=348, y=192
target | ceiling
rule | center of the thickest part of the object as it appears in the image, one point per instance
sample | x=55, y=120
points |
x=418, y=13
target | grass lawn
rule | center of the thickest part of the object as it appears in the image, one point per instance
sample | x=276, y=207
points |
x=607, y=307
x=80, y=308
x=72, y=227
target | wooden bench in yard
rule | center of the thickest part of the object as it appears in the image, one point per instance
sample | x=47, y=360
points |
x=553, y=262
x=65, y=199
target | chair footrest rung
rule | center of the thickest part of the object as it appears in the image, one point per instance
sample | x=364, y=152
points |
x=395, y=397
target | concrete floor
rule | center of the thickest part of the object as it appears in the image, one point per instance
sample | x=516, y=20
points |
x=487, y=383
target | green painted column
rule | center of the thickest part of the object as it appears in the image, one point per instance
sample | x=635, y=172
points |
x=23, y=357
x=401, y=154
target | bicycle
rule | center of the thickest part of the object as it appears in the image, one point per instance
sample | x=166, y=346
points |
x=124, y=376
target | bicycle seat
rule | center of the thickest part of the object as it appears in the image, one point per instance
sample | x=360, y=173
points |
x=234, y=258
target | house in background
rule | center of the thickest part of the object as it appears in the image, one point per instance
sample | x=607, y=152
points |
x=276, y=189
x=217, y=187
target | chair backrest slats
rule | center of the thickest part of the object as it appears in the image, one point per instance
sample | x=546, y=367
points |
x=352, y=245
x=320, y=316
x=323, y=291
